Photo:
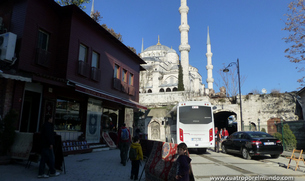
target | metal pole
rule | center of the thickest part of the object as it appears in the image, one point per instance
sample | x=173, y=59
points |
x=241, y=112
x=283, y=134
x=259, y=127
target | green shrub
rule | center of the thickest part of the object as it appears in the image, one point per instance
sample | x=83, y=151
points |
x=263, y=130
x=290, y=141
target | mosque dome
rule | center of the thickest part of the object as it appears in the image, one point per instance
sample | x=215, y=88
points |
x=171, y=51
x=157, y=47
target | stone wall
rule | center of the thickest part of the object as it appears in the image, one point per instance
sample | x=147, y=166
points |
x=257, y=110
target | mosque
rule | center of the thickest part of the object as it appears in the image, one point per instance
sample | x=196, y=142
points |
x=162, y=68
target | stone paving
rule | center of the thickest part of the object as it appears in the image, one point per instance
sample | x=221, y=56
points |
x=99, y=165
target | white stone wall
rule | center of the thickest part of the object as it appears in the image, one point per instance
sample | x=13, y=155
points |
x=263, y=107
x=254, y=107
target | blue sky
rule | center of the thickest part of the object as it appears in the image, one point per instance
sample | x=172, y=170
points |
x=250, y=30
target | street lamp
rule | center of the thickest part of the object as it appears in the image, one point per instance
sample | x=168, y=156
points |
x=283, y=133
x=238, y=73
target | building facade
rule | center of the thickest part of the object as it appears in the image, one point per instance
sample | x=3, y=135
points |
x=162, y=68
x=68, y=66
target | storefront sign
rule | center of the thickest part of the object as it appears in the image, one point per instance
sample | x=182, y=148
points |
x=108, y=97
x=108, y=140
x=93, y=127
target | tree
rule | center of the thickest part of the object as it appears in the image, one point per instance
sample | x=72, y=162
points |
x=180, y=79
x=96, y=16
x=230, y=81
x=78, y=3
x=290, y=141
x=295, y=25
x=132, y=49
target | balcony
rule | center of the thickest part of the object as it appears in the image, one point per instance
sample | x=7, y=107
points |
x=42, y=57
x=116, y=83
x=131, y=91
x=83, y=68
x=124, y=87
x=95, y=74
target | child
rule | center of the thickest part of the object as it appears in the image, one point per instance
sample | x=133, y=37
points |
x=183, y=163
x=135, y=164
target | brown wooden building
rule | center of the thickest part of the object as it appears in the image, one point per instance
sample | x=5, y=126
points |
x=66, y=65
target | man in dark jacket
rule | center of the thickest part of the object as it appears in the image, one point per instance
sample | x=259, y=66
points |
x=47, y=153
x=124, y=141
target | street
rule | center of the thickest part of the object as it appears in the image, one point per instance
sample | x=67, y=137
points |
x=104, y=165
x=215, y=166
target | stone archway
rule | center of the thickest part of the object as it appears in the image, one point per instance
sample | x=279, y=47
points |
x=252, y=126
x=154, y=131
x=221, y=120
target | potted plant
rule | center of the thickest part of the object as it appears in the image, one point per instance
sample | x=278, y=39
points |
x=7, y=135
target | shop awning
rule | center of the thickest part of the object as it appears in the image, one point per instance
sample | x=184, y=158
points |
x=107, y=96
x=15, y=77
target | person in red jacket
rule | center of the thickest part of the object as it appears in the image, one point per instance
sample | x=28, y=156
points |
x=226, y=133
x=124, y=141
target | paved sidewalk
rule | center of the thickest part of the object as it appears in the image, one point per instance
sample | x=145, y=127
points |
x=99, y=165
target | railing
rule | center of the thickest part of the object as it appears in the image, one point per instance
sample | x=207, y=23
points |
x=95, y=74
x=131, y=91
x=42, y=57
x=83, y=68
x=125, y=87
x=117, y=83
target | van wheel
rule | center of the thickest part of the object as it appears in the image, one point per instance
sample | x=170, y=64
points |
x=223, y=149
x=245, y=154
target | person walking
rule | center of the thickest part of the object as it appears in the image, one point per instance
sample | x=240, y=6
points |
x=217, y=139
x=221, y=132
x=124, y=141
x=226, y=133
x=183, y=163
x=135, y=155
x=47, y=153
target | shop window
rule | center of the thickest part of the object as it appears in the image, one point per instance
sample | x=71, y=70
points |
x=124, y=75
x=95, y=71
x=67, y=115
x=82, y=55
x=42, y=54
x=130, y=79
x=116, y=71
x=95, y=60
x=43, y=40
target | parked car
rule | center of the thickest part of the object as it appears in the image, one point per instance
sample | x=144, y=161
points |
x=252, y=143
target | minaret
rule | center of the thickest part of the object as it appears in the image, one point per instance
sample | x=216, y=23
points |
x=184, y=47
x=92, y=9
x=209, y=66
x=142, y=49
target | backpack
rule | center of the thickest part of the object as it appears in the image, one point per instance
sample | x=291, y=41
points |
x=124, y=134
x=132, y=153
